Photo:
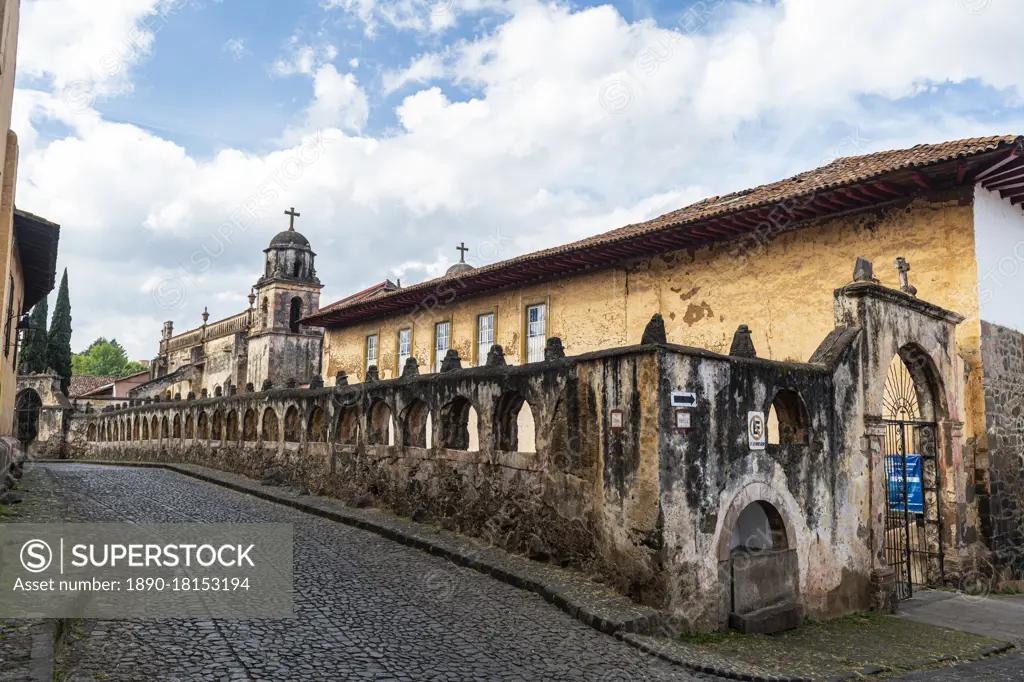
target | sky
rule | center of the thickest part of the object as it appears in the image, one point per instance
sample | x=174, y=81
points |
x=168, y=137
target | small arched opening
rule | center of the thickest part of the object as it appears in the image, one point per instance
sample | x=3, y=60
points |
x=90, y=433
x=514, y=427
x=232, y=423
x=249, y=425
x=204, y=426
x=217, y=426
x=154, y=430
x=28, y=406
x=145, y=429
x=317, y=431
x=380, y=424
x=415, y=423
x=165, y=432
x=460, y=425
x=788, y=422
x=269, y=431
x=292, y=425
x=136, y=429
x=348, y=425
x=177, y=426
x=294, y=315
x=190, y=427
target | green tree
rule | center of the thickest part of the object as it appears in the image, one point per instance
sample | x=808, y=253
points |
x=104, y=358
x=58, y=341
x=33, y=353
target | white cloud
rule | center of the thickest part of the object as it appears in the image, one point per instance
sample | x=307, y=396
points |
x=304, y=59
x=421, y=69
x=235, y=47
x=581, y=122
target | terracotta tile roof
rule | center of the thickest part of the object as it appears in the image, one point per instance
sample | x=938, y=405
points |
x=889, y=166
x=368, y=293
x=81, y=384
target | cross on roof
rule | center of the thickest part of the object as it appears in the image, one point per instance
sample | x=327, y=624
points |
x=294, y=215
x=463, y=249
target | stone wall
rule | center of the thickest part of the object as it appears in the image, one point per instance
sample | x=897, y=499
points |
x=1003, y=362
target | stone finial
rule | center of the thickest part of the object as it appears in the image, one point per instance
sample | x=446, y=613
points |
x=316, y=382
x=496, y=356
x=267, y=385
x=742, y=345
x=372, y=374
x=206, y=316
x=249, y=388
x=904, y=267
x=654, y=332
x=451, y=361
x=204, y=394
x=191, y=395
x=232, y=389
x=217, y=391
x=177, y=396
x=411, y=369
x=863, y=271
x=291, y=383
x=341, y=379
x=553, y=349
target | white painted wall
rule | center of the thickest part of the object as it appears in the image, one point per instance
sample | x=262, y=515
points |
x=999, y=249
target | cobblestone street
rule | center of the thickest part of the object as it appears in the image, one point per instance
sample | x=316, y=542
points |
x=367, y=608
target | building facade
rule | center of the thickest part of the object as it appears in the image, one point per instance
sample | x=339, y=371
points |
x=267, y=342
x=768, y=258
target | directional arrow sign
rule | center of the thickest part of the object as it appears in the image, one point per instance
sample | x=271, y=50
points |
x=681, y=399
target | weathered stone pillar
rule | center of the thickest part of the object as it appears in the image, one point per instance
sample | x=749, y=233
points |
x=883, y=578
x=952, y=498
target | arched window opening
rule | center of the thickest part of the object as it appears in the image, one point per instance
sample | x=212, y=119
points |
x=297, y=267
x=348, y=426
x=90, y=433
x=460, y=425
x=295, y=315
x=317, y=426
x=204, y=426
x=381, y=428
x=232, y=434
x=270, y=430
x=177, y=426
x=414, y=424
x=27, y=408
x=514, y=427
x=154, y=430
x=759, y=527
x=249, y=425
x=217, y=426
x=788, y=423
x=164, y=428
x=125, y=431
x=190, y=427
x=292, y=425
x=136, y=430
x=145, y=429
x=265, y=313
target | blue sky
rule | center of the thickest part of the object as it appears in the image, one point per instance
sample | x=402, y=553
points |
x=147, y=125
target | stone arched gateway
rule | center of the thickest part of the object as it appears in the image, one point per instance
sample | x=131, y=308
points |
x=758, y=564
x=27, y=407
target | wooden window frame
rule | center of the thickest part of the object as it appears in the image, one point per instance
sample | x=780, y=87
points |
x=398, y=348
x=476, y=360
x=434, y=360
x=366, y=352
x=524, y=344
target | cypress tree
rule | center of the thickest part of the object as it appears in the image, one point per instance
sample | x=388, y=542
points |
x=33, y=353
x=58, y=342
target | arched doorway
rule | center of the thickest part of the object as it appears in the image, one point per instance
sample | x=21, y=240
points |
x=26, y=415
x=912, y=402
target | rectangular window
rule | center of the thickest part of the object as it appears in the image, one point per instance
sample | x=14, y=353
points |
x=404, y=348
x=536, y=332
x=484, y=337
x=442, y=339
x=371, y=350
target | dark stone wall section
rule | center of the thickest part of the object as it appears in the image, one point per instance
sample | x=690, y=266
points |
x=1002, y=352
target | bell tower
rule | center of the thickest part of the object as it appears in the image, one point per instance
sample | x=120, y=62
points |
x=280, y=347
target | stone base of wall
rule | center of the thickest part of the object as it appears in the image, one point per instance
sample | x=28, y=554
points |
x=12, y=458
x=546, y=515
x=1003, y=365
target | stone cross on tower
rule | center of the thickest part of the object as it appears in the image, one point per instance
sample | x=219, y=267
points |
x=462, y=248
x=904, y=267
x=294, y=215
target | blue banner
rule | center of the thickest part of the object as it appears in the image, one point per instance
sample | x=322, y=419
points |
x=912, y=476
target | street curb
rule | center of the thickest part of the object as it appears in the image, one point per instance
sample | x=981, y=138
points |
x=623, y=630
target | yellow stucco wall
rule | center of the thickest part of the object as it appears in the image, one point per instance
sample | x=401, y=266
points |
x=782, y=289
x=9, y=263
